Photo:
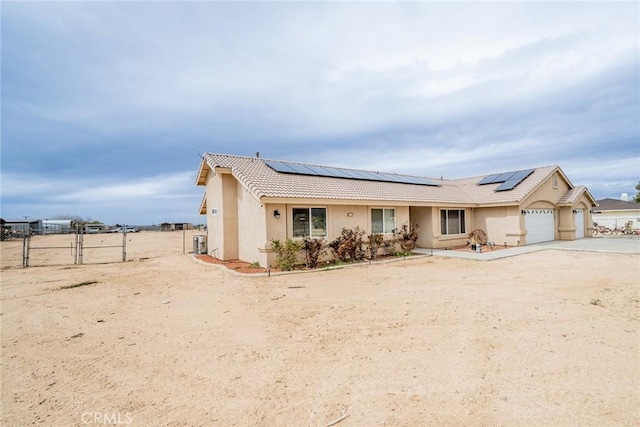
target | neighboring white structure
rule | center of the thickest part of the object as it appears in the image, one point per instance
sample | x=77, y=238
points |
x=616, y=213
x=56, y=226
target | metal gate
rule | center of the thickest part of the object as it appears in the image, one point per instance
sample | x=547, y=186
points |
x=54, y=254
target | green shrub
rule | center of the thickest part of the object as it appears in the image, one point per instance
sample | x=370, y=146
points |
x=348, y=247
x=287, y=253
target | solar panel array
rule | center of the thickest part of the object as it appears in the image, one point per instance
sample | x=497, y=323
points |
x=508, y=180
x=331, y=172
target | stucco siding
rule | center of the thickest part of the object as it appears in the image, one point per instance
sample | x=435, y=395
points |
x=423, y=217
x=340, y=217
x=502, y=224
x=547, y=194
x=251, y=227
x=215, y=237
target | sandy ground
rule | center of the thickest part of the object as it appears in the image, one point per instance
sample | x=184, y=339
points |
x=548, y=338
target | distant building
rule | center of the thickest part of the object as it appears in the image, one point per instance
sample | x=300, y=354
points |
x=616, y=213
x=175, y=226
x=21, y=227
x=57, y=226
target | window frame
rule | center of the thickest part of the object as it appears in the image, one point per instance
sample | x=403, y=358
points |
x=384, y=229
x=309, y=231
x=444, y=220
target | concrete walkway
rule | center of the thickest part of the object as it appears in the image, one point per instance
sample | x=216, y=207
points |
x=621, y=245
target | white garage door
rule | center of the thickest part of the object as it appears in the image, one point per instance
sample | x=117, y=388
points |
x=578, y=218
x=540, y=225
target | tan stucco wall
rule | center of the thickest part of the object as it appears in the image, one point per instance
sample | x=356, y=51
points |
x=338, y=217
x=222, y=226
x=546, y=195
x=428, y=225
x=501, y=223
x=567, y=229
x=251, y=227
x=215, y=222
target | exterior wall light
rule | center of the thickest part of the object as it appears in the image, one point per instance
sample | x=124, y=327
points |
x=349, y=214
x=276, y=214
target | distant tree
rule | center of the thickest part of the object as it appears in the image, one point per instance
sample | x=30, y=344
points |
x=74, y=218
x=637, y=200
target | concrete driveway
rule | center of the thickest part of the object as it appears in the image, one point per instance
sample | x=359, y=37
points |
x=618, y=244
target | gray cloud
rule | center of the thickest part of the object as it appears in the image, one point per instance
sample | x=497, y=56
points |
x=132, y=91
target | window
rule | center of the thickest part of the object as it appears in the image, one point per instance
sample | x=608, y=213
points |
x=383, y=220
x=309, y=222
x=452, y=221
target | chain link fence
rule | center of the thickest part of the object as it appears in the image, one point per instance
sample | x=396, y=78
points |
x=40, y=248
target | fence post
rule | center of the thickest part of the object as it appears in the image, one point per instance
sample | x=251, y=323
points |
x=25, y=250
x=80, y=244
x=77, y=241
x=124, y=245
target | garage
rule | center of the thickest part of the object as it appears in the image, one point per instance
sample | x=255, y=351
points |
x=540, y=225
x=578, y=218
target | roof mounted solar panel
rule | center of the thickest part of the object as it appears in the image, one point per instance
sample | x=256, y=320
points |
x=300, y=169
x=341, y=173
x=279, y=166
x=503, y=177
x=357, y=174
x=331, y=172
x=522, y=174
x=320, y=171
x=371, y=176
x=488, y=179
x=515, y=180
x=508, y=185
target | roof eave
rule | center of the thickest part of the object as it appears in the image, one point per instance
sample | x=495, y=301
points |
x=203, y=173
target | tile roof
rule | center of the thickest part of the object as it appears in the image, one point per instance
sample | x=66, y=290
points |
x=262, y=181
x=616, y=205
x=572, y=196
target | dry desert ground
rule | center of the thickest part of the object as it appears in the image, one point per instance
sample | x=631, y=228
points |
x=547, y=338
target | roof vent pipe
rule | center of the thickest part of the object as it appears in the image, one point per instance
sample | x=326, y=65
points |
x=257, y=154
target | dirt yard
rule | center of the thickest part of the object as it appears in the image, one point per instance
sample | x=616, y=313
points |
x=548, y=338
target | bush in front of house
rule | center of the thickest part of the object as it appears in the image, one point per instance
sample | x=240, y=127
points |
x=314, y=249
x=348, y=247
x=375, y=242
x=407, y=237
x=287, y=253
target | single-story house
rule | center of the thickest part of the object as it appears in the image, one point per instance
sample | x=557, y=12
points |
x=616, y=213
x=250, y=201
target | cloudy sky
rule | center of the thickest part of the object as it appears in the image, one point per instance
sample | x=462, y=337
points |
x=107, y=105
